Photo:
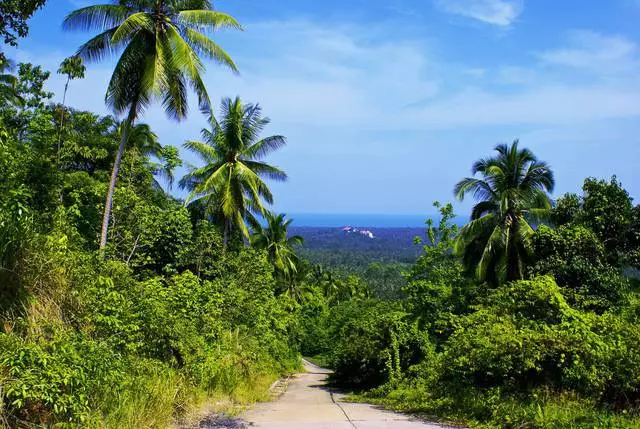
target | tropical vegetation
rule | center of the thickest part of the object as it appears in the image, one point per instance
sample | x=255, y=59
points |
x=161, y=44
x=513, y=191
x=231, y=181
x=526, y=316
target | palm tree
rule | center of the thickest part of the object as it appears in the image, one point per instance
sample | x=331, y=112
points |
x=141, y=138
x=231, y=180
x=144, y=141
x=161, y=43
x=8, y=84
x=73, y=67
x=279, y=246
x=512, y=191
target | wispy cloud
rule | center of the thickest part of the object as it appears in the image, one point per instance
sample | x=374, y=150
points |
x=596, y=52
x=338, y=90
x=495, y=12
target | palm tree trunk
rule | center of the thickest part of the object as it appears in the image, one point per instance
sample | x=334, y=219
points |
x=114, y=175
x=62, y=115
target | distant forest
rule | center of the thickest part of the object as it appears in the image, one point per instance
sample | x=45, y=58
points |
x=380, y=261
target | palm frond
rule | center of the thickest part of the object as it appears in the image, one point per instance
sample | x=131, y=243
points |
x=208, y=20
x=265, y=146
x=209, y=49
x=96, y=17
x=136, y=22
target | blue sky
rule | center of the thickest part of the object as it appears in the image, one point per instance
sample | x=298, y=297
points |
x=386, y=104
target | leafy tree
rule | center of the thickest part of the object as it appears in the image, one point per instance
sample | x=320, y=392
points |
x=513, y=190
x=89, y=142
x=13, y=18
x=279, y=245
x=29, y=98
x=577, y=259
x=606, y=208
x=436, y=284
x=170, y=157
x=231, y=180
x=161, y=44
x=31, y=82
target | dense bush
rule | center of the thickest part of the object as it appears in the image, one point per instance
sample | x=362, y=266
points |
x=136, y=335
x=577, y=259
x=557, y=350
x=94, y=327
x=374, y=342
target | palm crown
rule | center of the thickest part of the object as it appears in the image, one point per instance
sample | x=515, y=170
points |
x=161, y=43
x=513, y=189
x=279, y=245
x=8, y=84
x=232, y=178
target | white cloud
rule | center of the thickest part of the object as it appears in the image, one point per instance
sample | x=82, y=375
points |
x=477, y=72
x=307, y=75
x=541, y=105
x=595, y=52
x=339, y=90
x=495, y=12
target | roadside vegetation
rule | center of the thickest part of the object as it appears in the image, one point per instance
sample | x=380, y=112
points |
x=122, y=306
x=504, y=324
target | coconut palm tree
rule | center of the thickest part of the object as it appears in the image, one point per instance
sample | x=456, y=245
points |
x=513, y=190
x=161, y=42
x=279, y=245
x=141, y=138
x=231, y=180
x=73, y=67
x=144, y=141
x=8, y=84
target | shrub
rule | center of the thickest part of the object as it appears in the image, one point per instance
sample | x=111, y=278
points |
x=374, y=342
x=526, y=336
x=577, y=259
x=57, y=382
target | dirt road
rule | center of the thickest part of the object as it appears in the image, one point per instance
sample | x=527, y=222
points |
x=308, y=404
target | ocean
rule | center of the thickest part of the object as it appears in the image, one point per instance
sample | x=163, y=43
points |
x=331, y=220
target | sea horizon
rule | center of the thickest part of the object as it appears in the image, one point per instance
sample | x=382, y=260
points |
x=361, y=220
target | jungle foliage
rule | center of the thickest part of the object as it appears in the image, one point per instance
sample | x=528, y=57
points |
x=528, y=316
x=557, y=348
x=144, y=332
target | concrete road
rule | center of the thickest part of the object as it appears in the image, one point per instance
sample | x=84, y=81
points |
x=308, y=404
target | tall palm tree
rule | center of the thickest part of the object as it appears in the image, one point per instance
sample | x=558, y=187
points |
x=512, y=191
x=161, y=42
x=231, y=180
x=8, y=84
x=141, y=138
x=144, y=141
x=73, y=67
x=279, y=245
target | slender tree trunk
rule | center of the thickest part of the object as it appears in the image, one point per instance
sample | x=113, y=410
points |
x=114, y=175
x=62, y=115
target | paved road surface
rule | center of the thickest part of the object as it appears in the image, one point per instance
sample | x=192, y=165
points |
x=307, y=404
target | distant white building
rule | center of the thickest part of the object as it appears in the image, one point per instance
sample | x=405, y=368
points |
x=364, y=232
